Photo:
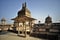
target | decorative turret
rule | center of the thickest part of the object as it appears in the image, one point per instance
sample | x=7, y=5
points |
x=48, y=20
x=3, y=21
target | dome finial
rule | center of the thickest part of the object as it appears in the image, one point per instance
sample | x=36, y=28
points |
x=24, y=5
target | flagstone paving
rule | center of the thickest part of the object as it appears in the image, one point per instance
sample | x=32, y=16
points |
x=13, y=36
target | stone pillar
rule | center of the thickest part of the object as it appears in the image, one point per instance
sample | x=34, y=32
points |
x=30, y=24
x=18, y=29
x=25, y=30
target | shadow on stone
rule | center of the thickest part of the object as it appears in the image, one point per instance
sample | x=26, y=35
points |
x=22, y=36
x=48, y=37
x=3, y=32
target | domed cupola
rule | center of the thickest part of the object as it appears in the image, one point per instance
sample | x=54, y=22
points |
x=24, y=11
x=48, y=20
x=3, y=21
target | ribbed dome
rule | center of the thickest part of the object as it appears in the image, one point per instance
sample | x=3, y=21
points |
x=23, y=11
x=48, y=19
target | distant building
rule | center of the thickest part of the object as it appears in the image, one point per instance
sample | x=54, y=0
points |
x=48, y=27
x=4, y=26
x=23, y=21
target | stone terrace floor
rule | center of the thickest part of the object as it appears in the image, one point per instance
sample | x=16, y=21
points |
x=13, y=36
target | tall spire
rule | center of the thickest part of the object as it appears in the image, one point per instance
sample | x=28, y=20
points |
x=24, y=5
